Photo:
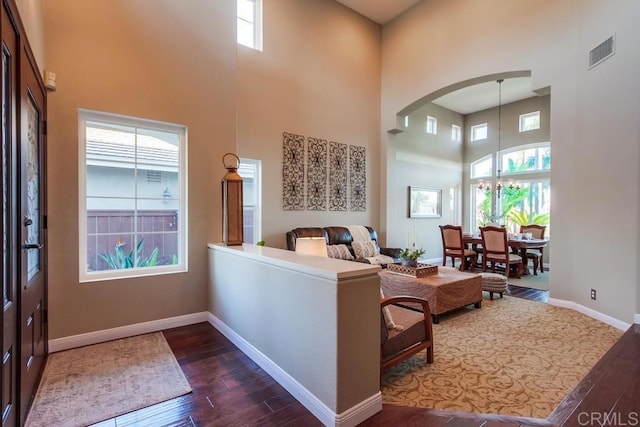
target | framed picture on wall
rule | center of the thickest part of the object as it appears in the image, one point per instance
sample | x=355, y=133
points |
x=425, y=203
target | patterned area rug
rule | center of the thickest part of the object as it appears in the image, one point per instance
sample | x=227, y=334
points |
x=94, y=383
x=511, y=357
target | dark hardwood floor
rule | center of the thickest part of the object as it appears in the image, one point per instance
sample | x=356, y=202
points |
x=229, y=389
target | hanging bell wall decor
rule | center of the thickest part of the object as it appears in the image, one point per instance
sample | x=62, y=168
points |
x=232, y=221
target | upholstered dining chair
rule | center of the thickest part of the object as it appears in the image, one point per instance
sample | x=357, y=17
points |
x=535, y=255
x=496, y=250
x=453, y=247
x=404, y=332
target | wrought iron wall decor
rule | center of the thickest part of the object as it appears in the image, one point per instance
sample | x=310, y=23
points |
x=337, y=176
x=358, y=178
x=316, y=174
x=316, y=170
x=292, y=172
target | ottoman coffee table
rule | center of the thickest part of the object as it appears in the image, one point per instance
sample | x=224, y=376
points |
x=446, y=291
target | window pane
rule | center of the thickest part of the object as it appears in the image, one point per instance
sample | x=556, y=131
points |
x=249, y=172
x=432, y=125
x=482, y=208
x=246, y=10
x=456, y=134
x=245, y=33
x=482, y=168
x=530, y=121
x=479, y=132
x=527, y=160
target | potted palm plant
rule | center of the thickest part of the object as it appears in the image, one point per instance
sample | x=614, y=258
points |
x=409, y=256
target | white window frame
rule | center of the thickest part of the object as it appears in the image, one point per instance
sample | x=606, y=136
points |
x=456, y=133
x=257, y=206
x=524, y=147
x=256, y=24
x=482, y=160
x=182, y=265
x=523, y=119
x=432, y=125
x=474, y=131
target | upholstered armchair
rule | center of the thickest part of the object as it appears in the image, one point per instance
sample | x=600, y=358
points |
x=453, y=247
x=496, y=251
x=535, y=255
x=404, y=332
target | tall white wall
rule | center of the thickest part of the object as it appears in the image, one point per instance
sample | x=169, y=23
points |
x=594, y=119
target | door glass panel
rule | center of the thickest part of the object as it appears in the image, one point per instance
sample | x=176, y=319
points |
x=6, y=102
x=33, y=189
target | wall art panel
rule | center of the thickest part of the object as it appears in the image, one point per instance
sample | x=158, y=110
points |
x=316, y=174
x=337, y=176
x=358, y=178
x=292, y=172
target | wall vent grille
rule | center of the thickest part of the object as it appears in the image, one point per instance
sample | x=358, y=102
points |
x=604, y=50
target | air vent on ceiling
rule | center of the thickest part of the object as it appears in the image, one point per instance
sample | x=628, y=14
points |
x=154, y=176
x=601, y=52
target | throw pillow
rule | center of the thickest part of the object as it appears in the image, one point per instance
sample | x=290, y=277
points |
x=365, y=249
x=388, y=320
x=339, y=252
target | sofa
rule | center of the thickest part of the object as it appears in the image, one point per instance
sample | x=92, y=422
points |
x=336, y=235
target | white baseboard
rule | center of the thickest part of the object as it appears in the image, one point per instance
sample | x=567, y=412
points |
x=636, y=318
x=89, y=338
x=623, y=326
x=351, y=417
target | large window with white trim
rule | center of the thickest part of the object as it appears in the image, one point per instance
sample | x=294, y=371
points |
x=132, y=196
x=525, y=188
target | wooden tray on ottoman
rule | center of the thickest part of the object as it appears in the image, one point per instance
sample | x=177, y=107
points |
x=422, y=270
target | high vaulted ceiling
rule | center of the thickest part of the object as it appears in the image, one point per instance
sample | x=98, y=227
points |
x=380, y=11
x=466, y=100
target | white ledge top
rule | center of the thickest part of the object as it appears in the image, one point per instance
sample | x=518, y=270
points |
x=329, y=268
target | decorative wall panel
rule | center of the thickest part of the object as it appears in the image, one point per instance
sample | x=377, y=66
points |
x=337, y=176
x=316, y=174
x=292, y=172
x=358, y=178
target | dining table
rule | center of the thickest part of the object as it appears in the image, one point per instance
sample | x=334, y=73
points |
x=520, y=245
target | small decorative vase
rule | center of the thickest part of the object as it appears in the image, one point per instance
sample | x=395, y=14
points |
x=408, y=262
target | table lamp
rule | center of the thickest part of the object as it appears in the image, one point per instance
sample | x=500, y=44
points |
x=311, y=246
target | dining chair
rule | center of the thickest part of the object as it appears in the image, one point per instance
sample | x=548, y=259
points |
x=535, y=255
x=496, y=251
x=454, y=247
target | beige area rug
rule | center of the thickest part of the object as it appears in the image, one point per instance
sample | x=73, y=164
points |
x=86, y=385
x=511, y=357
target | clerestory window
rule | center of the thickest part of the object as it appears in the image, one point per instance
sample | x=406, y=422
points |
x=249, y=23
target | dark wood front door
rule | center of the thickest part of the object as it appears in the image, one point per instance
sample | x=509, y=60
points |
x=23, y=267
x=10, y=238
x=32, y=220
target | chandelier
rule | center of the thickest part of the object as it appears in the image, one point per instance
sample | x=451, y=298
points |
x=486, y=186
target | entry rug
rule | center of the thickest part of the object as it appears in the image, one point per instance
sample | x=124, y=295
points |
x=89, y=384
